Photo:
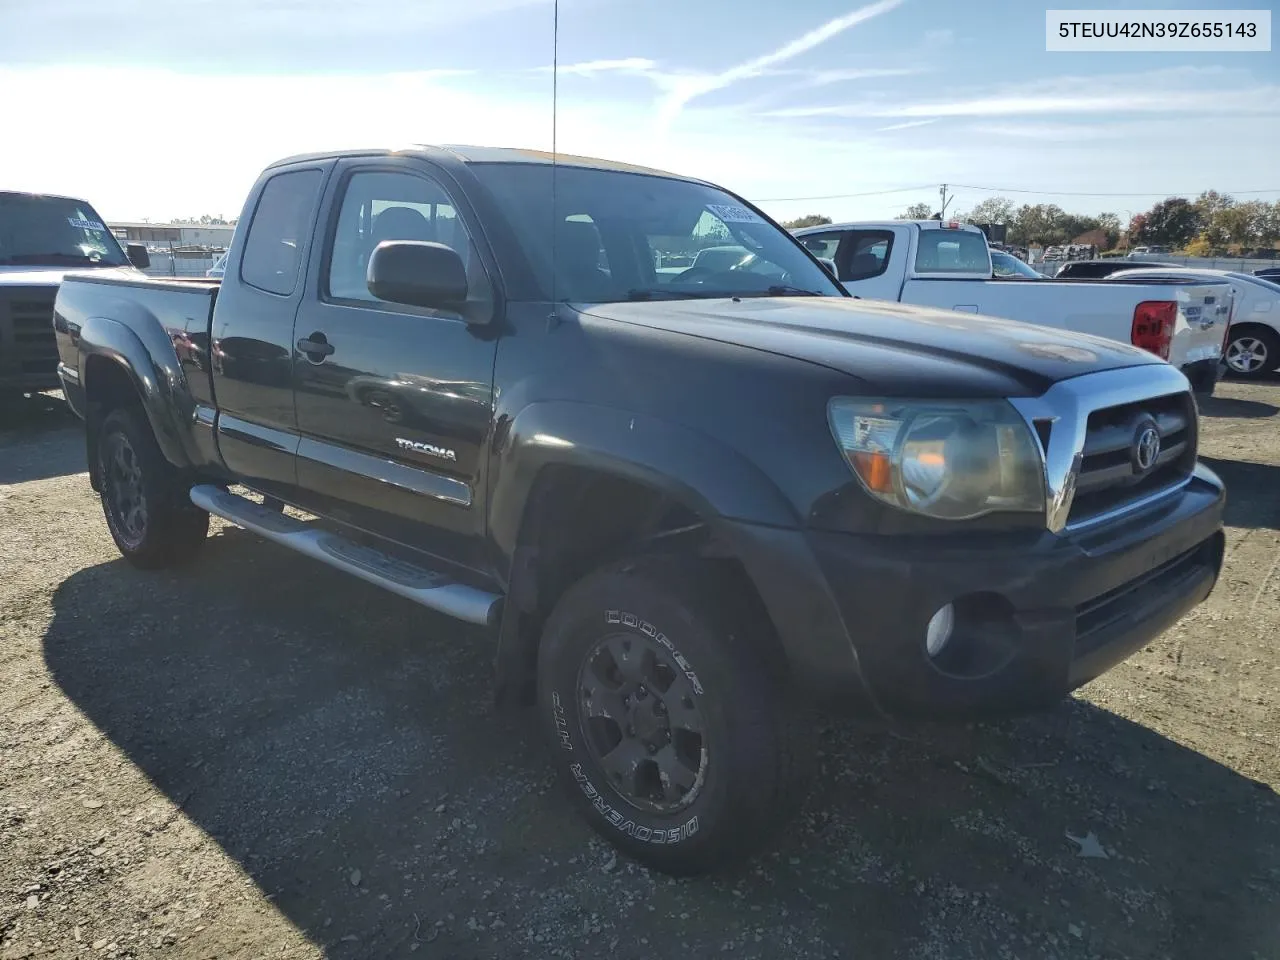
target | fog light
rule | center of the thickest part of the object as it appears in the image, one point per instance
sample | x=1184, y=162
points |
x=939, y=630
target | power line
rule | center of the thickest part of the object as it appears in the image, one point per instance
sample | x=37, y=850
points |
x=971, y=186
x=845, y=196
x=1069, y=193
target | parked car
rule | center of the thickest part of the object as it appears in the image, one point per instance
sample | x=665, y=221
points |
x=1098, y=269
x=684, y=509
x=42, y=236
x=1253, y=344
x=1267, y=273
x=1005, y=266
x=947, y=264
x=1154, y=250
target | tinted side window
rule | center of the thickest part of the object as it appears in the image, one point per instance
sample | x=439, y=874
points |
x=378, y=206
x=868, y=254
x=272, y=249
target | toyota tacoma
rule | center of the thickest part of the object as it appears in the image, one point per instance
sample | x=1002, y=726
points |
x=687, y=507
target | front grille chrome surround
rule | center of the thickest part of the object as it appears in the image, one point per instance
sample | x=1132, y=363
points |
x=1060, y=417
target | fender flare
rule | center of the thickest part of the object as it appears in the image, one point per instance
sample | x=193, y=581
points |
x=146, y=355
x=712, y=479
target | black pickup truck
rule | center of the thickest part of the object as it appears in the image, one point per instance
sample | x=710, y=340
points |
x=42, y=236
x=689, y=505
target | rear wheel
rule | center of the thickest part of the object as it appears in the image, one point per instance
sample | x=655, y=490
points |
x=666, y=720
x=144, y=501
x=1252, y=351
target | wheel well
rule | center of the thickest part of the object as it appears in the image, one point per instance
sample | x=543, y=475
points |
x=1251, y=325
x=576, y=520
x=107, y=386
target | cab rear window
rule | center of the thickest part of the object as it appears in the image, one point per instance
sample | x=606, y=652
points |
x=953, y=251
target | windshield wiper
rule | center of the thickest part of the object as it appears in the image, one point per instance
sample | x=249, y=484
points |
x=647, y=294
x=783, y=290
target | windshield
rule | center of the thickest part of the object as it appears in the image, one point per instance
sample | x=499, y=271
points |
x=37, y=230
x=1007, y=266
x=628, y=236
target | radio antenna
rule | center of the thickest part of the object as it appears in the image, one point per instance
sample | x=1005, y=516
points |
x=555, y=102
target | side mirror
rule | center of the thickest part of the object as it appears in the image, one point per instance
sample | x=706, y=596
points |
x=138, y=256
x=417, y=272
x=830, y=265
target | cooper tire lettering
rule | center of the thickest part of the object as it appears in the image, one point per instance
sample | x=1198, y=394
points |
x=623, y=618
x=561, y=719
x=627, y=826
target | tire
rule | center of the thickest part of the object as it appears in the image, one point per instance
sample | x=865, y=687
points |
x=1252, y=352
x=726, y=791
x=144, y=501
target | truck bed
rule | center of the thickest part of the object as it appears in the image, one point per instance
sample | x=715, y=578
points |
x=1102, y=308
x=170, y=315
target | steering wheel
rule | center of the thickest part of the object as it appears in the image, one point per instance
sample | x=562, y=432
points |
x=690, y=275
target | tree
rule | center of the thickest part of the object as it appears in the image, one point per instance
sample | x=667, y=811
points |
x=1211, y=202
x=1231, y=225
x=917, y=211
x=1043, y=223
x=1137, y=228
x=1269, y=224
x=1173, y=222
x=808, y=220
x=990, y=210
x=1109, y=223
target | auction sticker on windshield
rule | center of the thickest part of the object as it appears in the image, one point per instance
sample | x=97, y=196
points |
x=730, y=213
x=93, y=225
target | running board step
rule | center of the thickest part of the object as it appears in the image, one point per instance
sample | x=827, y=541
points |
x=431, y=589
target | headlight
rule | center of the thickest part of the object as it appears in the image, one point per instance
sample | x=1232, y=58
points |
x=949, y=460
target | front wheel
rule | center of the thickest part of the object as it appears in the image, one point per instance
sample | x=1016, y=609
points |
x=1252, y=352
x=145, y=504
x=665, y=720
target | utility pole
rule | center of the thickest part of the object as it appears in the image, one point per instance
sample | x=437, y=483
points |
x=942, y=192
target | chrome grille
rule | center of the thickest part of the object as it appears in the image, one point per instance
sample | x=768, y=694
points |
x=29, y=336
x=1109, y=478
x=1080, y=422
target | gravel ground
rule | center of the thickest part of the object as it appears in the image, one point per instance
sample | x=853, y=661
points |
x=261, y=757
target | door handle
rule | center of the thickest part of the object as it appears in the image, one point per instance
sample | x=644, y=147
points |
x=316, y=347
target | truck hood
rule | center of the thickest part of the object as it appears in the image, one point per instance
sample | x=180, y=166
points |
x=28, y=276
x=895, y=348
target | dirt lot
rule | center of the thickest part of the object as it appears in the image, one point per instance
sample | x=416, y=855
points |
x=261, y=757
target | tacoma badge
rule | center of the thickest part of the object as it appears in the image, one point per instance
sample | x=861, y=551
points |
x=430, y=449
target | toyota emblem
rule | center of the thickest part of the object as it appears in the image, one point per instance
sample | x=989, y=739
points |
x=1146, y=448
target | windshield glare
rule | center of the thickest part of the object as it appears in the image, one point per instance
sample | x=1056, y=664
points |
x=627, y=236
x=54, y=231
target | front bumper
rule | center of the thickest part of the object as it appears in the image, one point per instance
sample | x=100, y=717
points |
x=1038, y=614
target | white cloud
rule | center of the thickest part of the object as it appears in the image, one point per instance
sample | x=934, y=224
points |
x=1255, y=100
x=910, y=124
x=129, y=165
x=682, y=89
x=638, y=65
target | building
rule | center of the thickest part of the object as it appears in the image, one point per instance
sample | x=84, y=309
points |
x=204, y=235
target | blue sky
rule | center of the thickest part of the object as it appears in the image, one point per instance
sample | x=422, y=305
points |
x=158, y=110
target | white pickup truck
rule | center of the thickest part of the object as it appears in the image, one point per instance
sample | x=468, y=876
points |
x=947, y=264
